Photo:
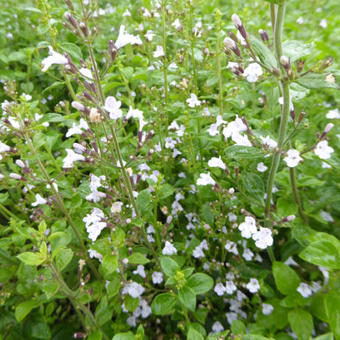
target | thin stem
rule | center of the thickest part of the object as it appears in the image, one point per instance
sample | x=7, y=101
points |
x=192, y=41
x=219, y=72
x=165, y=63
x=297, y=198
x=284, y=110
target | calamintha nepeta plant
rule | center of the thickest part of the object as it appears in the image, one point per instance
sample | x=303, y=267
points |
x=172, y=194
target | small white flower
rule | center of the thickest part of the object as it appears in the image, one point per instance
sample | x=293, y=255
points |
x=157, y=277
x=305, y=290
x=323, y=150
x=248, y=227
x=326, y=216
x=159, y=52
x=53, y=58
x=125, y=38
x=293, y=158
x=217, y=327
x=219, y=289
x=263, y=238
x=267, y=309
x=231, y=247
x=134, y=289
x=216, y=163
x=86, y=73
x=230, y=287
x=323, y=23
x=94, y=224
x=205, y=179
x=116, y=207
x=169, y=249
x=4, y=147
x=267, y=141
x=248, y=254
x=252, y=72
x=261, y=167
x=149, y=35
x=71, y=158
x=140, y=271
x=177, y=25
x=193, y=101
x=300, y=20
x=333, y=114
x=253, y=286
x=112, y=105
x=39, y=200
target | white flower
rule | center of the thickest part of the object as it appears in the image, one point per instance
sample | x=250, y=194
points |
x=300, y=20
x=267, y=309
x=217, y=327
x=230, y=287
x=253, y=286
x=86, y=72
x=305, y=290
x=71, y=158
x=125, y=38
x=216, y=163
x=112, y=105
x=4, y=147
x=134, y=289
x=77, y=129
x=261, y=167
x=326, y=216
x=267, y=141
x=252, y=72
x=149, y=35
x=219, y=289
x=231, y=316
x=39, y=200
x=157, y=277
x=293, y=158
x=94, y=224
x=116, y=207
x=248, y=227
x=169, y=249
x=136, y=114
x=177, y=25
x=248, y=254
x=205, y=179
x=323, y=150
x=323, y=23
x=159, y=52
x=94, y=254
x=193, y=101
x=140, y=271
x=231, y=247
x=263, y=238
x=53, y=58
x=333, y=114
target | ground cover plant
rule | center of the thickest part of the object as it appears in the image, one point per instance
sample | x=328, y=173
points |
x=170, y=170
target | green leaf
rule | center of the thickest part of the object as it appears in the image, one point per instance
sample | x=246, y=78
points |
x=114, y=286
x=286, y=280
x=103, y=311
x=144, y=203
x=109, y=264
x=277, y=2
x=200, y=283
x=169, y=266
x=193, y=334
x=242, y=152
x=301, y=322
x=323, y=252
x=264, y=53
x=295, y=49
x=165, y=191
x=96, y=335
x=124, y=336
x=253, y=185
x=63, y=258
x=73, y=50
x=332, y=306
x=328, y=336
x=188, y=297
x=31, y=259
x=138, y=258
x=316, y=81
x=238, y=327
x=163, y=304
x=131, y=303
x=24, y=308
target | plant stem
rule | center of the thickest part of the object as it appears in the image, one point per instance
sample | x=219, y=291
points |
x=297, y=198
x=284, y=110
x=219, y=72
x=165, y=62
x=192, y=43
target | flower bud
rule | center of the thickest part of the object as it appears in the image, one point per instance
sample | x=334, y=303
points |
x=69, y=17
x=238, y=23
x=84, y=29
x=328, y=128
x=113, y=51
x=69, y=4
x=78, y=106
x=231, y=44
x=285, y=62
x=95, y=116
x=264, y=35
x=300, y=64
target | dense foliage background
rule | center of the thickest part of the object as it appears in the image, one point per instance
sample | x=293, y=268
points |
x=175, y=243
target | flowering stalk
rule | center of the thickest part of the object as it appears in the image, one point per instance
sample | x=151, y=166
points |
x=165, y=62
x=218, y=60
x=192, y=43
x=284, y=84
